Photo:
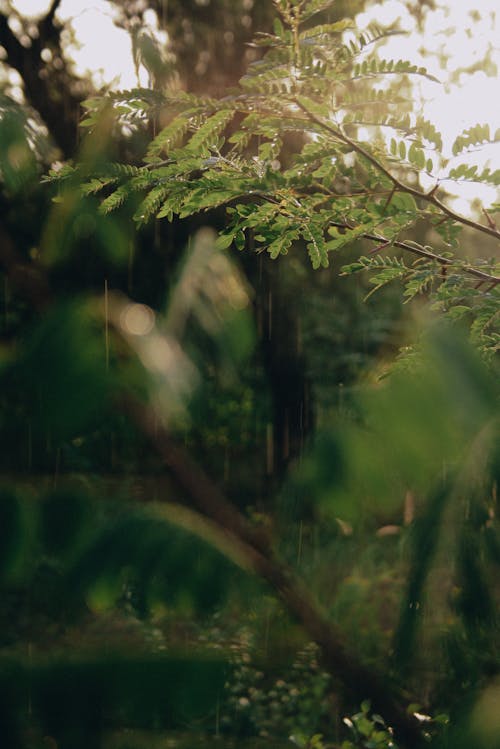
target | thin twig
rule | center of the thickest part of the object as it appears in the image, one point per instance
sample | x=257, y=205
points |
x=381, y=240
x=423, y=252
x=427, y=197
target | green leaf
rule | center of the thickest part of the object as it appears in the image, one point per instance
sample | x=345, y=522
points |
x=278, y=27
x=325, y=31
x=169, y=137
x=458, y=311
x=115, y=200
x=208, y=134
x=281, y=245
x=316, y=246
x=416, y=156
x=474, y=136
x=151, y=203
x=223, y=241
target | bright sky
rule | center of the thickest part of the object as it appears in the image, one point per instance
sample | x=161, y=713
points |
x=461, y=29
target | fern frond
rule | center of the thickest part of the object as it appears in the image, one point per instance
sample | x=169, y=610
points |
x=473, y=136
x=151, y=204
x=316, y=246
x=95, y=185
x=312, y=7
x=169, y=137
x=116, y=169
x=208, y=134
x=359, y=42
x=420, y=282
x=471, y=173
x=115, y=200
x=375, y=66
x=323, y=33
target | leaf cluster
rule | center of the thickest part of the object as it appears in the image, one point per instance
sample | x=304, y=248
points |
x=320, y=83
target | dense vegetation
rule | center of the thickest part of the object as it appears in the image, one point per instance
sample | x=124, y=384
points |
x=245, y=499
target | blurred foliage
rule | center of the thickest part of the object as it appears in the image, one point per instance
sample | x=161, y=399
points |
x=65, y=557
x=368, y=731
x=100, y=553
x=25, y=149
x=405, y=491
x=71, y=702
x=110, y=581
x=294, y=699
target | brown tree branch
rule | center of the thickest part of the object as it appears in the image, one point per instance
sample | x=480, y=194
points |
x=360, y=680
x=423, y=252
x=484, y=277
x=428, y=197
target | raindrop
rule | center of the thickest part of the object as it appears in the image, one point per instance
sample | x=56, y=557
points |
x=30, y=447
x=106, y=322
x=270, y=315
x=269, y=449
x=57, y=466
x=299, y=546
x=286, y=437
x=157, y=238
x=130, y=266
x=5, y=300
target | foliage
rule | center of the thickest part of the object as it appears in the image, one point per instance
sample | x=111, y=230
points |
x=369, y=731
x=325, y=86
x=404, y=472
x=295, y=701
x=24, y=148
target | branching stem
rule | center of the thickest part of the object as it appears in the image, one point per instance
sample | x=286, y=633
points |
x=418, y=194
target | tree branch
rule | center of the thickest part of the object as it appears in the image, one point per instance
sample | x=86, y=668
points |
x=429, y=197
x=423, y=252
x=360, y=680
x=484, y=277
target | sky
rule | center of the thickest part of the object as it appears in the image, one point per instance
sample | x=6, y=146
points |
x=462, y=29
